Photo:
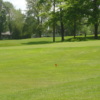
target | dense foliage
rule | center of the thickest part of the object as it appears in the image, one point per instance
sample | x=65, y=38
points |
x=51, y=18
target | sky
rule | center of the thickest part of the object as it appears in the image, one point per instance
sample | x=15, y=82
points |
x=18, y=4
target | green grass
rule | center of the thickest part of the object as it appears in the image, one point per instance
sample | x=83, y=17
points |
x=28, y=72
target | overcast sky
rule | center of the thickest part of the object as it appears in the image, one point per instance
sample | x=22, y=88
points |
x=18, y=4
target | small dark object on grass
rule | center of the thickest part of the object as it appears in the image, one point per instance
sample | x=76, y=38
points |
x=56, y=65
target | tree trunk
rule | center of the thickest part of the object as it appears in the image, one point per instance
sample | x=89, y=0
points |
x=0, y=35
x=74, y=31
x=96, y=31
x=62, y=25
x=95, y=17
x=85, y=34
x=38, y=19
x=54, y=23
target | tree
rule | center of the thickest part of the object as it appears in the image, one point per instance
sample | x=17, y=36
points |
x=34, y=9
x=9, y=10
x=29, y=28
x=14, y=19
x=54, y=23
x=18, y=23
x=92, y=12
x=96, y=16
x=2, y=17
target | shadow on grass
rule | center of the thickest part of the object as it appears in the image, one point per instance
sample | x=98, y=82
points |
x=79, y=39
x=72, y=39
x=37, y=42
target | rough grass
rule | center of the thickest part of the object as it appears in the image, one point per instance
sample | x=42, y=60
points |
x=28, y=72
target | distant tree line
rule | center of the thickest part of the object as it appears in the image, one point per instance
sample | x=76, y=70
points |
x=51, y=18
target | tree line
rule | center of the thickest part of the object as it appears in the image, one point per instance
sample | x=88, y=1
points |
x=51, y=18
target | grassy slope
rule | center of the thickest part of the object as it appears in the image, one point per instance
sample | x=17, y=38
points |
x=28, y=73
